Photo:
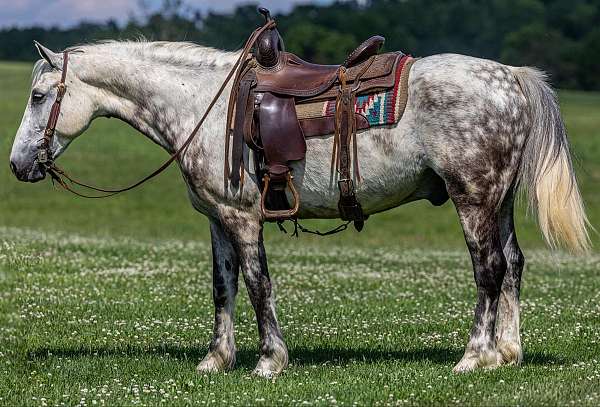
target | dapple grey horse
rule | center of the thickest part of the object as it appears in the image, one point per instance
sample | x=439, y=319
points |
x=474, y=131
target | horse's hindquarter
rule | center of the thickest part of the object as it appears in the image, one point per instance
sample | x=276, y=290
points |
x=472, y=119
x=465, y=120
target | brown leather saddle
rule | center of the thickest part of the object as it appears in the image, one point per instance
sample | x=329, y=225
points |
x=265, y=94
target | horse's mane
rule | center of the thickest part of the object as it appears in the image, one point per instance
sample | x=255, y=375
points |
x=177, y=54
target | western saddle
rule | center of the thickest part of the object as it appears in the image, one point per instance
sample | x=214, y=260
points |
x=262, y=114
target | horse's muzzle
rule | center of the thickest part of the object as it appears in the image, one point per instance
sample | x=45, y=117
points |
x=31, y=173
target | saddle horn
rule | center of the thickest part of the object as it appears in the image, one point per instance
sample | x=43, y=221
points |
x=266, y=13
x=269, y=44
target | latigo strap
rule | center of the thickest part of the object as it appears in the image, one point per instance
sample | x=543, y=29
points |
x=345, y=133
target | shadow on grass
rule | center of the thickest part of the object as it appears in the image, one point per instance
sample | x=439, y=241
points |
x=299, y=356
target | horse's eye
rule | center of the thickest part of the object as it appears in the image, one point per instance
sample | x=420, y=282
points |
x=37, y=97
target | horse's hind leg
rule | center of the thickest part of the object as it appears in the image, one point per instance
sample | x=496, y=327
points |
x=508, y=340
x=221, y=352
x=482, y=233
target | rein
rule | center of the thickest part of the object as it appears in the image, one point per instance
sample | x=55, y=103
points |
x=45, y=156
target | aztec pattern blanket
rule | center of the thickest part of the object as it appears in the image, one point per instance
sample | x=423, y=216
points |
x=380, y=108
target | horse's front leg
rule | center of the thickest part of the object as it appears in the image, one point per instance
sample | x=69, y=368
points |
x=247, y=235
x=221, y=352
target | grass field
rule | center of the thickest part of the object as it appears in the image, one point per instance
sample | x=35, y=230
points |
x=109, y=302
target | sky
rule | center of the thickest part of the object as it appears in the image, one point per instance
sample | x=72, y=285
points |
x=24, y=13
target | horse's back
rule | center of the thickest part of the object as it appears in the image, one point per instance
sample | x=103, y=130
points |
x=463, y=84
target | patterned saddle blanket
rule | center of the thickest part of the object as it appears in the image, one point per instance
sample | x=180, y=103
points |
x=377, y=107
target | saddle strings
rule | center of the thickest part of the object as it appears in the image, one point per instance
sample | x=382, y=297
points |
x=58, y=174
x=335, y=155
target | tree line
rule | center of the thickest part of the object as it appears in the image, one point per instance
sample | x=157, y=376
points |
x=560, y=36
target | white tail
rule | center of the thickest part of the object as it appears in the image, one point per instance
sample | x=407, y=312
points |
x=546, y=169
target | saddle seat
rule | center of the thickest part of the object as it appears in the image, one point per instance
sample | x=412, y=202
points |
x=293, y=76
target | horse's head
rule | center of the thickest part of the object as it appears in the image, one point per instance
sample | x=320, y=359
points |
x=77, y=111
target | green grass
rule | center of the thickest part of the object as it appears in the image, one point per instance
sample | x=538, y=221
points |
x=111, y=300
x=121, y=322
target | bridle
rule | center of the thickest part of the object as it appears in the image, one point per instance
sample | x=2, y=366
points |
x=45, y=155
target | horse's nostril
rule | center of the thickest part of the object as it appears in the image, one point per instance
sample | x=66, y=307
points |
x=13, y=168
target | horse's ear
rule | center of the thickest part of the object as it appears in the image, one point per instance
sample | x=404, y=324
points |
x=54, y=59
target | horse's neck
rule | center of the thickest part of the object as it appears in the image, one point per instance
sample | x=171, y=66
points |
x=164, y=102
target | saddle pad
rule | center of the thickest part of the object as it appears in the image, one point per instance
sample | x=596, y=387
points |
x=382, y=107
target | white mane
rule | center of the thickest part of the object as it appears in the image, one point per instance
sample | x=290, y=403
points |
x=181, y=54
x=178, y=54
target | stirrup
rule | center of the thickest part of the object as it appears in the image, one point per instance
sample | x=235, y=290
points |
x=283, y=214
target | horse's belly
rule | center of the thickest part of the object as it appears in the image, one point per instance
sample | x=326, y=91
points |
x=390, y=165
x=372, y=199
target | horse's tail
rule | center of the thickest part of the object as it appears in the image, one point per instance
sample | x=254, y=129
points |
x=546, y=170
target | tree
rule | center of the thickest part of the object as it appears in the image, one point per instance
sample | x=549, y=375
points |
x=589, y=60
x=318, y=44
x=560, y=36
x=546, y=48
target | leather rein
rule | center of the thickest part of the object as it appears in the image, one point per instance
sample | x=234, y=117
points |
x=45, y=155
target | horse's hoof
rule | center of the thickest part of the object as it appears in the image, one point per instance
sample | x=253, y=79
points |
x=270, y=366
x=466, y=364
x=265, y=374
x=209, y=366
x=215, y=362
x=487, y=359
x=511, y=352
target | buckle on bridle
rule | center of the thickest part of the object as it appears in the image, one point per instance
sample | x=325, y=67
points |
x=60, y=92
x=43, y=156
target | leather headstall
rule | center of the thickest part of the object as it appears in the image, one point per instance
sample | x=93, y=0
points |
x=45, y=156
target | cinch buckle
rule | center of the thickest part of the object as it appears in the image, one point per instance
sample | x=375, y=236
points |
x=61, y=90
x=346, y=187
